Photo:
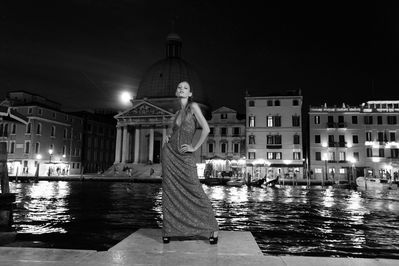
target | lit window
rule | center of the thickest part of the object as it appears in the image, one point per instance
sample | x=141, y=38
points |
x=251, y=121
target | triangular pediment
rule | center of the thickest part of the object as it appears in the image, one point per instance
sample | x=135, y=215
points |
x=144, y=109
x=224, y=109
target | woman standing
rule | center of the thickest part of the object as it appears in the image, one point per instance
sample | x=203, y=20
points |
x=186, y=209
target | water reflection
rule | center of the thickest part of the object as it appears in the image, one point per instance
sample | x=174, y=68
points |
x=288, y=220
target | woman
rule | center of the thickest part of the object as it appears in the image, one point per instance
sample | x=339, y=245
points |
x=186, y=209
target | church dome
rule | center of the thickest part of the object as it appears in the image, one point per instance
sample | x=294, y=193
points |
x=162, y=78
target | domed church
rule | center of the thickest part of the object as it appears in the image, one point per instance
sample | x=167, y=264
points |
x=141, y=128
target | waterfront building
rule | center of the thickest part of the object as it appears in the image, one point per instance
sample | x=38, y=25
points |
x=142, y=127
x=99, y=134
x=225, y=144
x=274, y=135
x=51, y=142
x=346, y=141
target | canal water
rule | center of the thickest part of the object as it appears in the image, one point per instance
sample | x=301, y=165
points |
x=318, y=221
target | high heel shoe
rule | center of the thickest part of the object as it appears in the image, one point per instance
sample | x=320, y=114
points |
x=166, y=239
x=213, y=239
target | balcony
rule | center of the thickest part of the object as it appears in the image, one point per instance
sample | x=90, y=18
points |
x=331, y=125
x=274, y=146
x=341, y=144
x=342, y=124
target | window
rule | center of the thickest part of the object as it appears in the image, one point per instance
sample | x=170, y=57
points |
x=395, y=153
x=39, y=111
x=269, y=103
x=356, y=156
x=342, y=141
x=317, y=119
x=12, y=147
x=331, y=156
x=342, y=156
x=251, y=103
x=54, y=115
x=341, y=119
x=368, y=120
x=331, y=140
x=223, y=147
x=30, y=110
x=297, y=139
x=65, y=133
x=28, y=128
x=380, y=136
x=368, y=136
x=392, y=136
x=273, y=121
x=251, y=121
x=318, y=156
x=318, y=170
x=274, y=155
x=355, y=139
x=13, y=128
x=295, y=102
x=251, y=155
x=27, y=147
x=64, y=150
x=276, y=103
x=269, y=121
x=251, y=139
x=391, y=120
x=37, y=147
x=211, y=131
x=317, y=139
x=223, y=116
x=381, y=153
x=52, y=134
x=379, y=120
x=236, y=147
x=369, y=152
x=296, y=121
x=354, y=119
x=223, y=131
x=296, y=155
x=273, y=139
x=236, y=131
x=330, y=119
x=38, y=129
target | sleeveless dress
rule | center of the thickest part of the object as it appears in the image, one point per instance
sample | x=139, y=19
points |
x=186, y=209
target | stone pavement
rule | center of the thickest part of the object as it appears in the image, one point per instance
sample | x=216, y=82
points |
x=145, y=247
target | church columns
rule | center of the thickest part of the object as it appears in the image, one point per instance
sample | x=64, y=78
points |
x=125, y=145
x=136, y=145
x=151, y=146
x=118, y=145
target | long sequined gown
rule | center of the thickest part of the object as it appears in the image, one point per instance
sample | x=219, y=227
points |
x=187, y=211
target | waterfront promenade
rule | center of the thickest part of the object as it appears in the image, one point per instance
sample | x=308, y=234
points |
x=144, y=247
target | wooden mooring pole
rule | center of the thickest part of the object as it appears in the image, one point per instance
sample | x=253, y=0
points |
x=7, y=199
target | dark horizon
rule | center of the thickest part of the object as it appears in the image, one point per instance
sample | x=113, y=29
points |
x=84, y=53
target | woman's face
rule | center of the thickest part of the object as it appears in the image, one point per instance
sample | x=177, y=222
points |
x=183, y=90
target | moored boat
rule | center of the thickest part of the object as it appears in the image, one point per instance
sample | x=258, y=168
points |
x=374, y=183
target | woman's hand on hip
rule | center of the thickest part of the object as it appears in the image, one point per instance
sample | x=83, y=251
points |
x=165, y=140
x=186, y=148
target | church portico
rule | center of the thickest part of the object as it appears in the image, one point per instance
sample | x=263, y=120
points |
x=140, y=131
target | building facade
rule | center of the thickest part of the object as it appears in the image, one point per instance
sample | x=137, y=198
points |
x=99, y=135
x=51, y=142
x=226, y=139
x=349, y=141
x=274, y=136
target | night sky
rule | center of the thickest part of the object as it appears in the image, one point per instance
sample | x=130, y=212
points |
x=84, y=53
